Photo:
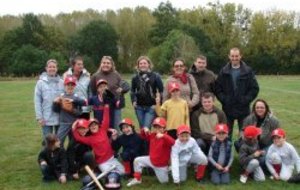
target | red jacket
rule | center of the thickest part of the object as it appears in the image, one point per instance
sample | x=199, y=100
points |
x=98, y=141
x=160, y=148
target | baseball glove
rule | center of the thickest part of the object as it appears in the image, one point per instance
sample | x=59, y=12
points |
x=67, y=105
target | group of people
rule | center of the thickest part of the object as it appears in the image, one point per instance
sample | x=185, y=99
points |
x=179, y=124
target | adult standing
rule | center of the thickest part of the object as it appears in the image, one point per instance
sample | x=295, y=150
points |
x=145, y=86
x=78, y=71
x=188, y=87
x=116, y=85
x=204, y=78
x=48, y=87
x=236, y=87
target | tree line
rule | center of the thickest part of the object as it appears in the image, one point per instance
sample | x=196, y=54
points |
x=270, y=40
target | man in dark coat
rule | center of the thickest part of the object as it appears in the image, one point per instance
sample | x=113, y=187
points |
x=236, y=87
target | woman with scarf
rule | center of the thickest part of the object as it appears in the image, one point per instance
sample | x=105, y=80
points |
x=188, y=87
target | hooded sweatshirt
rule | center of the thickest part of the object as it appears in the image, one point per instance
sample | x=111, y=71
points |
x=46, y=90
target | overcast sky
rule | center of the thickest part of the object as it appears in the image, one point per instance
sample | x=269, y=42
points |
x=53, y=7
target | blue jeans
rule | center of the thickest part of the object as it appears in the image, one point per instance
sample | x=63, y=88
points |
x=47, y=129
x=145, y=115
x=218, y=177
x=117, y=118
x=64, y=130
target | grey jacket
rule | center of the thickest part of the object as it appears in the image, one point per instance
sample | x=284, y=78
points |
x=46, y=90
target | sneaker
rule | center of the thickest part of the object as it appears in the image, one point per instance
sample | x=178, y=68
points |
x=243, y=179
x=134, y=181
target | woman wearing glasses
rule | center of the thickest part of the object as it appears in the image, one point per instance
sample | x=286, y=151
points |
x=188, y=87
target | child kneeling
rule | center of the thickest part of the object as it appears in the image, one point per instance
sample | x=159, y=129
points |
x=159, y=154
x=220, y=156
x=53, y=160
x=282, y=157
x=184, y=152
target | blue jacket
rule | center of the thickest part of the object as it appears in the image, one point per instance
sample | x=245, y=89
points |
x=46, y=90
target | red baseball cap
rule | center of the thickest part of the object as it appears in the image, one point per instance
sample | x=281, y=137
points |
x=126, y=121
x=101, y=81
x=183, y=129
x=221, y=127
x=82, y=123
x=251, y=131
x=160, y=121
x=70, y=79
x=278, y=132
x=173, y=86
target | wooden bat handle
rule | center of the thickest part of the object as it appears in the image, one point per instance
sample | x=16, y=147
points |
x=93, y=176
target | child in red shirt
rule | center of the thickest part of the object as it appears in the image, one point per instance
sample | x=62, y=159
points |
x=159, y=154
x=100, y=143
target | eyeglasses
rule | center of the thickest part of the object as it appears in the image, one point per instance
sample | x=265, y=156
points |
x=178, y=66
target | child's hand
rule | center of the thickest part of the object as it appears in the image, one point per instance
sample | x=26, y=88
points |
x=75, y=176
x=43, y=163
x=114, y=134
x=219, y=167
x=62, y=179
x=276, y=177
x=134, y=104
x=57, y=99
x=74, y=124
x=262, y=152
x=146, y=130
x=159, y=135
x=257, y=153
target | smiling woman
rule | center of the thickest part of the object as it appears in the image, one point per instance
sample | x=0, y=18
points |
x=188, y=87
x=48, y=87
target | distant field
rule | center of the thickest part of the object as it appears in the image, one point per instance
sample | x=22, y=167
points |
x=20, y=136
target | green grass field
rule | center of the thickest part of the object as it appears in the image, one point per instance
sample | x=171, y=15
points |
x=20, y=136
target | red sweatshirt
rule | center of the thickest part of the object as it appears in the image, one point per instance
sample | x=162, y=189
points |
x=98, y=141
x=160, y=148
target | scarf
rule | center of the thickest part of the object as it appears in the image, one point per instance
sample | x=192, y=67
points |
x=183, y=77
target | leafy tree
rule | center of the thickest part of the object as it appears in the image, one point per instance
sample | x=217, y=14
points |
x=28, y=60
x=177, y=44
x=96, y=39
x=166, y=20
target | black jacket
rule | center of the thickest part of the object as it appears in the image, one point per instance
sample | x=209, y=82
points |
x=235, y=103
x=152, y=83
x=132, y=146
x=56, y=159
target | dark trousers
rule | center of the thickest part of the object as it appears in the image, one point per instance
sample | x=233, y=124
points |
x=230, y=123
x=48, y=173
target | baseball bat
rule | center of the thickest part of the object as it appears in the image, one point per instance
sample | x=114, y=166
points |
x=102, y=175
x=93, y=176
